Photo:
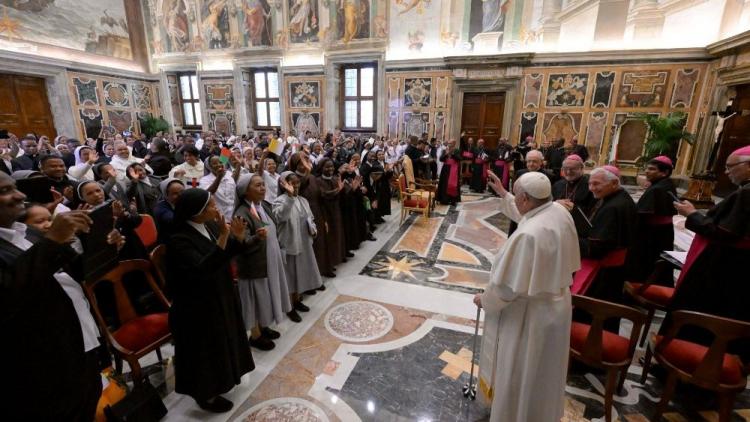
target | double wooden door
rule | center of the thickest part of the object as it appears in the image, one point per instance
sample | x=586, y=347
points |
x=482, y=117
x=24, y=107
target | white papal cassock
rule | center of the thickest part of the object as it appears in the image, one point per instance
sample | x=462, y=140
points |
x=524, y=356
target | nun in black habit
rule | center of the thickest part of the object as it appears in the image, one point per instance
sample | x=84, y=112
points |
x=211, y=348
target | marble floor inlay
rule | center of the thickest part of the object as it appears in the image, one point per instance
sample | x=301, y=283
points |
x=359, y=321
x=456, y=240
x=284, y=409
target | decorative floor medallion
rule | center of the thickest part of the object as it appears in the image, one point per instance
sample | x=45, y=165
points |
x=359, y=321
x=284, y=409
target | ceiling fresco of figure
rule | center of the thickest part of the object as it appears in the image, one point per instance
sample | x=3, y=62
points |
x=90, y=26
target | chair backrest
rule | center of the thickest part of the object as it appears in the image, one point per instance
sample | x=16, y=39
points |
x=408, y=171
x=600, y=311
x=124, y=307
x=401, y=185
x=158, y=258
x=146, y=231
x=725, y=330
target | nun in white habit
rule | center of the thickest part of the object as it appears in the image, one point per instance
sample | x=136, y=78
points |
x=296, y=233
x=524, y=359
x=263, y=287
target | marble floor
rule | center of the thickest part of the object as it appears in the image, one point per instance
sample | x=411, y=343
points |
x=393, y=342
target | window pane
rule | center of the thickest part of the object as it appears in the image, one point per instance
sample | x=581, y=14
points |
x=262, y=113
x=366, y=113
x=194, y=83
x=198, y=116
x=260, y=85
x=273, y=85
x=185, y=87
x=275, y=113
x=187, y=111
x=350, y=82
x=350, y=114
x=367, y=81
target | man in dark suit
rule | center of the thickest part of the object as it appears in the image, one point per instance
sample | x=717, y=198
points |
x=30, y=158
x=48, y=374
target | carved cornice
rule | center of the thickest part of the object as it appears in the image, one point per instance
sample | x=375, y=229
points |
x=729, y=45
x=489, y=61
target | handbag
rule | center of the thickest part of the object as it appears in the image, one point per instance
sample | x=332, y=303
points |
x=143, y=404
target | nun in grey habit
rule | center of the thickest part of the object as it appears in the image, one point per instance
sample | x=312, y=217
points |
x=296, y=233
x=263, y=287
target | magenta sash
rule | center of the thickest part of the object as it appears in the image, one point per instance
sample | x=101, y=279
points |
x=697, y=246
x=452, y=188
x=590, y=268
x=468, y=155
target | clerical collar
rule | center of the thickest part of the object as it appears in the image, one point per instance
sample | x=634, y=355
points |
x=326, y=177
x=299, y=173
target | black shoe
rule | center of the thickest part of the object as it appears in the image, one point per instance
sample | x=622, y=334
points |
x=329, y=274
x=218, y=405
x=311, y=292
x=269, y=333
x=301, y=307
x=349, y=255
x=371, y=238
x=379, y=221
x=262, y=343
x=294, y=316
x=322, y=287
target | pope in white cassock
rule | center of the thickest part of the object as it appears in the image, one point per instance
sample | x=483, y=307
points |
x=524, y=359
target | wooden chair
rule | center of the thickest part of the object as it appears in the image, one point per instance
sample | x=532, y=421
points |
x=593, y=346
x=146, y=231
x=137, y=335
x=650, y=296
x=419, y=184
x=711, y=368
x=158, y=258
x=413, y=200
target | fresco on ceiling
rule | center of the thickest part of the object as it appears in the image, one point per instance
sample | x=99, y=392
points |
x=352, y=19
x=413, y=26
x=215, y=24
x=92, y=26
x=256, y=22
x=303, y=21
x=487, y=16
x=176, y=29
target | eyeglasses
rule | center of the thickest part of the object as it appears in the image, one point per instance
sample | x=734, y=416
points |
x=731, y=166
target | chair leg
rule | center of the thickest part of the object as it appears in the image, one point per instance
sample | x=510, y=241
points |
x=623, y=377
x=158, y=354
x=646, y=364
x=666, y=395
x=135, y=368
x=647, y=326
x=118, y=364
x=609, y=393
x=726, y=405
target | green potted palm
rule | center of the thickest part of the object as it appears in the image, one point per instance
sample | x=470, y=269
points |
x=664, y=135
x=152, y=125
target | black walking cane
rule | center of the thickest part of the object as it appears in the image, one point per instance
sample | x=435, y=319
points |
x=470, y=389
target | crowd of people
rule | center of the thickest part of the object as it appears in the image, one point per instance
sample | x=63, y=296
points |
x=254, y=224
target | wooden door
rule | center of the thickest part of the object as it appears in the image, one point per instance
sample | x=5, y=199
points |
x=482, y=117
x=24, y=107
x=736, y=134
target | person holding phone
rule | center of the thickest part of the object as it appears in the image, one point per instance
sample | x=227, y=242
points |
x=43, y=304
x=211, y=349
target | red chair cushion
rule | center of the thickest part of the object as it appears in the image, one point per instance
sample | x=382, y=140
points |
x=415, y=203
x=687, y=356
x=614, y=347
x=654, y=293
x=138, y=333
x=146, y=231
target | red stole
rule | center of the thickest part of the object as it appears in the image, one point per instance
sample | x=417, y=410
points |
x=590, y=268
x=452, y=188
x=697, y=247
